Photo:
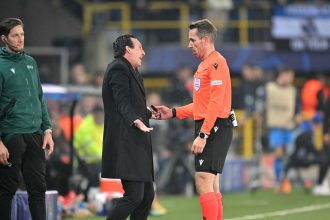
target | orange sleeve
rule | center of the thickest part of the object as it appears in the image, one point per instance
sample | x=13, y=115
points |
x=219, y=74
x=185, y=111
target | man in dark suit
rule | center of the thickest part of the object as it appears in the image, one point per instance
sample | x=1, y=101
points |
x=127, y=150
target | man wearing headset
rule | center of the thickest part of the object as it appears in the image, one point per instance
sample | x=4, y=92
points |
x=25, y=128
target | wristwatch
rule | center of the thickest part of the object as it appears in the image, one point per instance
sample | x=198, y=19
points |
x=203, y=135
x=173, y=112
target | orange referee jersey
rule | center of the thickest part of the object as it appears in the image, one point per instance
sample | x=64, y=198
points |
x=212, y=92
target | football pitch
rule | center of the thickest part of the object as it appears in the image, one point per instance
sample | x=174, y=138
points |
x=264, y=204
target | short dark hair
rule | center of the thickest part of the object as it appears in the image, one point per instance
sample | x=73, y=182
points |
x=121, y=42
x=284, y=69
x=205, y=28
x=8, y=23
x=97, y=108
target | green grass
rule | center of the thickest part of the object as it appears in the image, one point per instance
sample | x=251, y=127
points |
x=243, y=204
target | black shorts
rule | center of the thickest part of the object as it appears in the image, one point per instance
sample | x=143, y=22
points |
x=212, y=159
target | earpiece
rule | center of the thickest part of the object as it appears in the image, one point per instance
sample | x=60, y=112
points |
x=3, y=38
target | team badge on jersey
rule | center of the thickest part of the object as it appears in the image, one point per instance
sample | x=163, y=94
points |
x=216, y=82
x=197, y=84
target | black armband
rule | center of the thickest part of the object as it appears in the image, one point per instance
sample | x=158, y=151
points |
x=173, y=112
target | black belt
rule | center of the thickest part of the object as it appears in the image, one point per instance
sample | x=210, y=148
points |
x=217, y=120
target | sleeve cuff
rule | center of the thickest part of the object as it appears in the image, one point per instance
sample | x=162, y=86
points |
x=48, y=131
x=133, y=124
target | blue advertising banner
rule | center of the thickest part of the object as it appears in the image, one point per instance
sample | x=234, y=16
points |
x=305, y=26
x=167, y=59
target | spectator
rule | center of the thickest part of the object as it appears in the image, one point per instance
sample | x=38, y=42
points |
x=176, y=164
x=282, y=110
x=158, y=140
x=79, y=75
x=314, y=92
x=246, y=91
x=98, y=79
x=219, y=11
x=88, y=145
x=59, y=168
x=304, y=154
x=65, y=120
x=180, y=89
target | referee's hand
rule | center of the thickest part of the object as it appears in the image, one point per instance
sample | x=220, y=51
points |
x=165, y=112
x=198, y=145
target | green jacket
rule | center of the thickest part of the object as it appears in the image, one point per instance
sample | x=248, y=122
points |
x=22, y=107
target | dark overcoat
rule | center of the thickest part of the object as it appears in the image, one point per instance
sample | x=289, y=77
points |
x=127, y=151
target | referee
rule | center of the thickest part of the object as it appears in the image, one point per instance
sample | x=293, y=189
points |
x=210, y=109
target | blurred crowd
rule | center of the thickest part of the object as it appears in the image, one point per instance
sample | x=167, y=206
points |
x=287, y=114
x=290, y=116
x=279, y=106
x=224, y=11
x=290, y=121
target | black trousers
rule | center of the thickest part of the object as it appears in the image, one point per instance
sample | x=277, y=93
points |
x=136, y=202
x=26, y=155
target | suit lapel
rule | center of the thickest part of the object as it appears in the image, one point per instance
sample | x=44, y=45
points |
x=136, y=76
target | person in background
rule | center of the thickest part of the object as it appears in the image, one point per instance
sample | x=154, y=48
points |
x=177, y=167
x=65, y=120
x=58, y=164
x=98, y=79
x=88, y=145
x=322, y=187
x=180, y=89
x=282, y=116
x=303, y=152
x=79, y=75
x=25, y=128
x=158, y=137
x=314, y=94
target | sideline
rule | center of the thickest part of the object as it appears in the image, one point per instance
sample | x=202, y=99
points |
x=283, y=212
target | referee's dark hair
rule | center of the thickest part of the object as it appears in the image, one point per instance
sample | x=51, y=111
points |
x=205, y=28
x=120, y=44
x=7, y=24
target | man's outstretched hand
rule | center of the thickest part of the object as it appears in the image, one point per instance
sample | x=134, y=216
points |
x=140, y=125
